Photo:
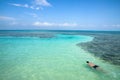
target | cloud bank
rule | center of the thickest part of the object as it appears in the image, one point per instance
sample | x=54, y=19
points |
x=54, y=24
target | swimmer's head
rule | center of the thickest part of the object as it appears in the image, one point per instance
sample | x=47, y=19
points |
x=87, y=61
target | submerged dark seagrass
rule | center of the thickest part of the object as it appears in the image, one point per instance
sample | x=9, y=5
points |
x=105, y=46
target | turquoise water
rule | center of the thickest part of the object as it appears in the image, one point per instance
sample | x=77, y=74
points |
x=57, y=58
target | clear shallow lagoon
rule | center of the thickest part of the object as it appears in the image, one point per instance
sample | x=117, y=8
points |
x=56, y=58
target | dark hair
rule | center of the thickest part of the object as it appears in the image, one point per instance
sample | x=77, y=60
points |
x=87, y=61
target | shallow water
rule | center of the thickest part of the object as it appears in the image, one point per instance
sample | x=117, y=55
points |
x=57, y=58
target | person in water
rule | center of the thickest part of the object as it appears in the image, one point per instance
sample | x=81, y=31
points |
x=92, y=65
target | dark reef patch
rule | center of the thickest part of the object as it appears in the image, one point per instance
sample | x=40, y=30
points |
x=105, y=46
x=39, y=34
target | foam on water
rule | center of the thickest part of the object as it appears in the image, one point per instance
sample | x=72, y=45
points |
x=55, y=58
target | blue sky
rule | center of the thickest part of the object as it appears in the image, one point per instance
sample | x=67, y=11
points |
x=60, y=14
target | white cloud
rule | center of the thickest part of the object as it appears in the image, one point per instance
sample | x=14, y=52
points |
x=6, y=18
x=68, y=24
x=26, y=5
x=42, y=3
x=20, y=5
x=43, y=24
x=54, y=24
x=15, y=4
x=37, y=4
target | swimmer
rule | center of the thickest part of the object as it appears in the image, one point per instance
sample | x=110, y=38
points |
x=92, y=65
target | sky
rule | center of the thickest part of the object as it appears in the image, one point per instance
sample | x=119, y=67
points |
x=60, y=15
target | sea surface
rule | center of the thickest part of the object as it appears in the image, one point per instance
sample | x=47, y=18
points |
x=49, y=55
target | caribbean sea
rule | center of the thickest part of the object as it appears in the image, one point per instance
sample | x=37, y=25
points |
x=49, y=55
